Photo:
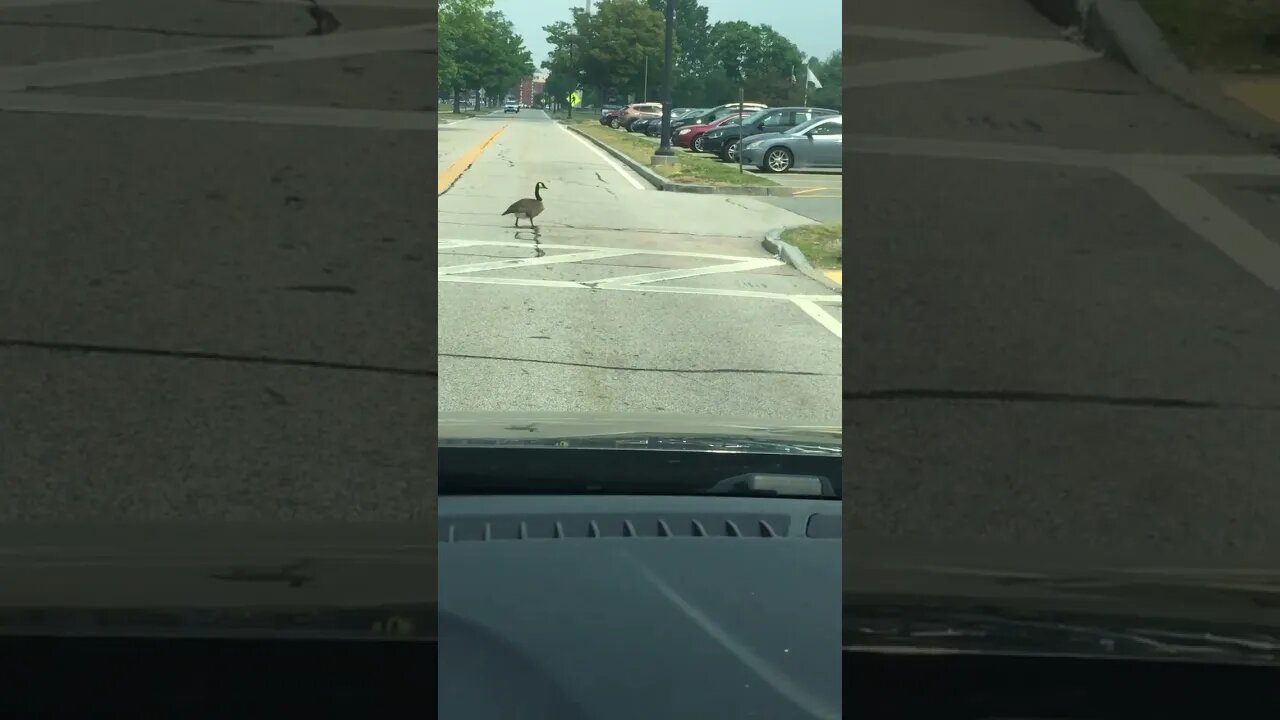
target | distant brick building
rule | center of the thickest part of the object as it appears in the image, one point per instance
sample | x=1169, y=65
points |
x=529, y=88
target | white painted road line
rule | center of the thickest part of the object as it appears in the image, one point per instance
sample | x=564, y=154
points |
x=600, y=154
x=529, y=262
x=642, y=283
x=822, y=316
x=215, y=112
x=746, y=265
x=1213, y=220
x=561, y=246
x=212, y=57
x=572, y=285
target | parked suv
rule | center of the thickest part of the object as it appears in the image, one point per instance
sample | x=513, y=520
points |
x=723, y=141
x=634, y=112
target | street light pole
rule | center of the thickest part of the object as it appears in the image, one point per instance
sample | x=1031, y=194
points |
x=664, y=146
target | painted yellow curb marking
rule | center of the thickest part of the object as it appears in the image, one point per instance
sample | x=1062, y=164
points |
x=1262, y=95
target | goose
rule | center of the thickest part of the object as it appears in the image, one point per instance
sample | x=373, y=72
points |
x=528, y=207
x=326, y=21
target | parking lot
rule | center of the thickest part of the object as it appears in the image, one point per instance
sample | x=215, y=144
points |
x=816, y=194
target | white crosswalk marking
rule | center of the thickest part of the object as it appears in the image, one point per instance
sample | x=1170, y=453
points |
x=810, y=304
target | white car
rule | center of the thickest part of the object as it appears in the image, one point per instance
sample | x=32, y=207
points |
x=511, y=107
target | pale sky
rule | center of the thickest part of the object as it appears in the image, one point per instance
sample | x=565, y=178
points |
x=813, y=25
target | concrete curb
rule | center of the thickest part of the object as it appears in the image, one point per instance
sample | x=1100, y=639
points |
x=791, y=255
x=1123, y=30
x=666, y=185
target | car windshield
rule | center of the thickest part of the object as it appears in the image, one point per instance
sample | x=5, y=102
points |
x=569, y=290
x=808, y=125
x=754, y=117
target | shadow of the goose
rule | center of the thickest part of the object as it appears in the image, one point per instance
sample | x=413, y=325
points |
x=535, y=235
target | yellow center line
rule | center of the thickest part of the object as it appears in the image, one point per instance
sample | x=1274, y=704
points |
x=454, y=171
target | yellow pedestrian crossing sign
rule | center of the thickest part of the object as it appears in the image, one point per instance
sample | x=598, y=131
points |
x=574, y=98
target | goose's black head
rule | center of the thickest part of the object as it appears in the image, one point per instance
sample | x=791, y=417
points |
x=540, y=185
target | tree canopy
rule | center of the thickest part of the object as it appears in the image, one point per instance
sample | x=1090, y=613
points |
x=479, y=50
x=606, y=52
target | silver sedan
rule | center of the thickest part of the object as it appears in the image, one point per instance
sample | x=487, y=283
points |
x=815, y=144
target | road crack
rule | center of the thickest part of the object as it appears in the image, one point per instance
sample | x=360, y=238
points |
x=90, y=349
x=669, y=371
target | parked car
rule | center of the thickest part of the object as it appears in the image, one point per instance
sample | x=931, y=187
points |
x=511, y=107
x=607, y=117
x=690, y=136
x=717, y=113
x=814, y=144
x=634, y=112
x=723, y=141
x=653, y=128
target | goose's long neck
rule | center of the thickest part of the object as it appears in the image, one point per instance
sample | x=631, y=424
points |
x=537, y=193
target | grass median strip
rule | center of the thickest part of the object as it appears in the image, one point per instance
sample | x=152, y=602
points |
x=1231, y=35
x=822, y=245
x=689, y=167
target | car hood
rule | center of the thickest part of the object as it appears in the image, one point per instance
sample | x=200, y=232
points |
x=1051, y=603
x=637, y=431
x=279, y=579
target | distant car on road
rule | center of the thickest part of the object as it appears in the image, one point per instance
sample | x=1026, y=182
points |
x=815, y=144
x=723, y=141
x=511, y=107
x=690, y=136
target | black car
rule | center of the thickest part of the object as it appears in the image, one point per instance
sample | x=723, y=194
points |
x=723, y=141
x=640, y=125
x=653, y=128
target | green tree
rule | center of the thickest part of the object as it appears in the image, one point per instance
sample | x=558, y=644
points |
x=607, y=50
x=692, y=50
x=761, y=58
x=479, y=50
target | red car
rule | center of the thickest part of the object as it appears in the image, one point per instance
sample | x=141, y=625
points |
x=690, y=136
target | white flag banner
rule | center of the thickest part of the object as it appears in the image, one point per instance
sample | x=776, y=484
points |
x=813, y=78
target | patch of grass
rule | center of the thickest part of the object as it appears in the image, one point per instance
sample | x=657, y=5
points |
x=1230, y=35
x=690, y=168
x=822, y=245
x=448, y=116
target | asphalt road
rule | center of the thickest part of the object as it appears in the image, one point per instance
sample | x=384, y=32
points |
x=1068, y=319
x=212, y=262
x=624, y=299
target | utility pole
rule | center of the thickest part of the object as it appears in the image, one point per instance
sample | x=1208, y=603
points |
x=645, y=96
x=668, y=72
